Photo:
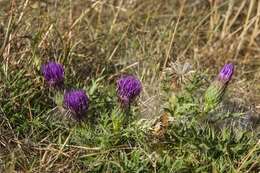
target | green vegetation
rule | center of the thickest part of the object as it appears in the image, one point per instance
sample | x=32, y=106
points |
x=176, y=49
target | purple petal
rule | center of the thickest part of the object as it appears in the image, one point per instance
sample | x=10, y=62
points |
x=226, y=73
x=77, y=102
x=53, y=73
x=128, y=88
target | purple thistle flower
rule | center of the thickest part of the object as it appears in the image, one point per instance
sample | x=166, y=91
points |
x=54, y=74
x=77, y=102
x=226, y=73
x=128, y=88
x=216, y=90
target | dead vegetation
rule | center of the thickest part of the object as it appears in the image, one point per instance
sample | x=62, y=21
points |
x=105, y=38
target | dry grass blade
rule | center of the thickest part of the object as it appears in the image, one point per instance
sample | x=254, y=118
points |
x=246, y=158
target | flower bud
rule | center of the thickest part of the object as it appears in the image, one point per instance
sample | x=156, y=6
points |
x=213, y=95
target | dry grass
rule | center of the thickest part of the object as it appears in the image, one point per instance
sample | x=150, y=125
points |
x=105, y=38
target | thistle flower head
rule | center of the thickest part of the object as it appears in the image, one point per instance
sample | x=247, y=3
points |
x=53, y=73
x=226, y=73
x=77, y=102
x=214, y=93
x=128, y=88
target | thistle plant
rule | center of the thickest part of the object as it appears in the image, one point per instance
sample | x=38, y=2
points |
x=128, y=88
x=77, y=102
x=216, y=90
x=53, y=74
